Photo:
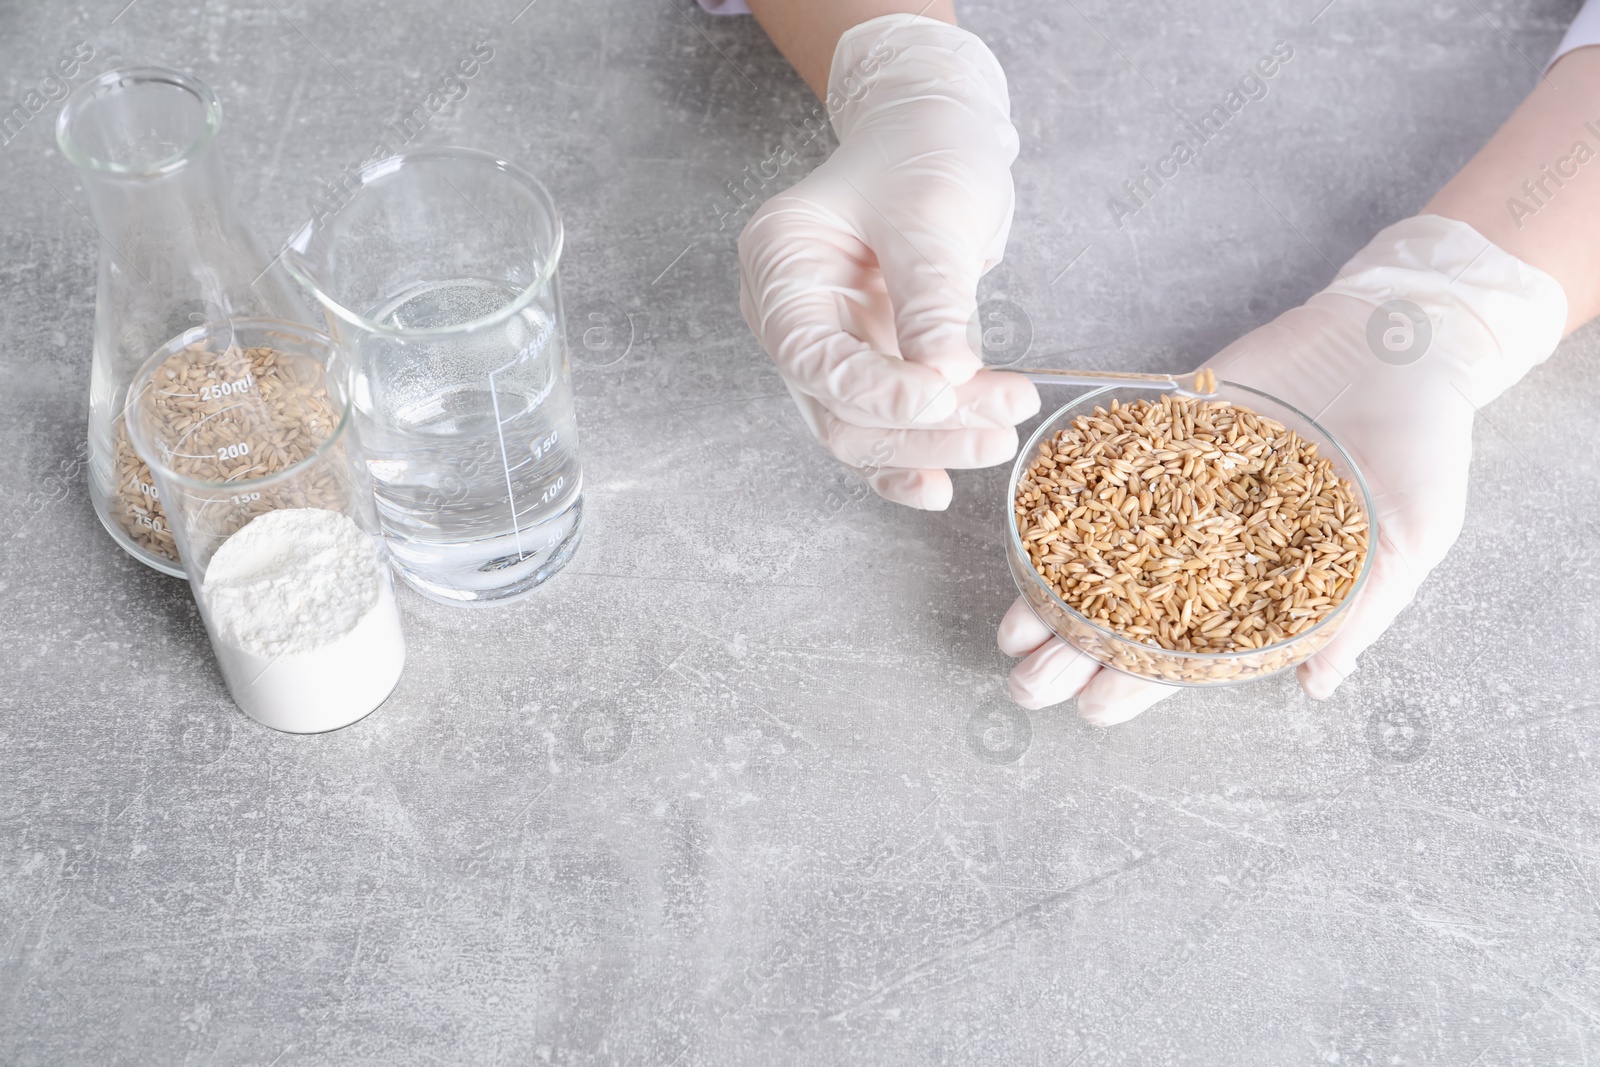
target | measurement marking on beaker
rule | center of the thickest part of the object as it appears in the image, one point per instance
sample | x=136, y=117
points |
x=234, y=451
x=222, y=389
x=533, y=402
x=550, y=493
x=531, y=509
x=505, y=457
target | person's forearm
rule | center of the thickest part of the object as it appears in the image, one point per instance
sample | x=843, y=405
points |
x=807, y=31
x=1534, y=189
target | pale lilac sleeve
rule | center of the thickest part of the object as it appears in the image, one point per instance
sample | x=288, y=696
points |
x=1584, y=31
x=725, y=7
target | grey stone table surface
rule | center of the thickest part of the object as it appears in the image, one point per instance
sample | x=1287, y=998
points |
x=741, y=785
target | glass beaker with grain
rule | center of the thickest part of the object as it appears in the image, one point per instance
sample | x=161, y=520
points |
x=438, y=276
x=245, y=427
x=173, y=255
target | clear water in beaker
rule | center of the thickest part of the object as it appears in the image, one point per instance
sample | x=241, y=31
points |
x=438, y=272
x=471, y=440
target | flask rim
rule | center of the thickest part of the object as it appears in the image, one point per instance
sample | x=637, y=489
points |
x=123, y=79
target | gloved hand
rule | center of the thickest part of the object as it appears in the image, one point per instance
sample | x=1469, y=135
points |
x=860, y=279
x=1397, y=393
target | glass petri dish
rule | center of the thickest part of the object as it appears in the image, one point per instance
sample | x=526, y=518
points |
x=1149, y=661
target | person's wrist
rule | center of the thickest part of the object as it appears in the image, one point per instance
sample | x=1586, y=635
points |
x=894, y=58
x=1447, y=300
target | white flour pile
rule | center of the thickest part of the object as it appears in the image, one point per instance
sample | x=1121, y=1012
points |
x=303, y=620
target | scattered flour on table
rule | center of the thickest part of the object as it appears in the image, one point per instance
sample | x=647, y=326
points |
x=292, y=581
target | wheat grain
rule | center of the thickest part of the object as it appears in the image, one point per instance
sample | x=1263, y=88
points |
x=200, y=402
x=1194, y=526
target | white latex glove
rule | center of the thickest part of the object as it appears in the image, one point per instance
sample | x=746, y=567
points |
x=1408, y=427
x=860, y=279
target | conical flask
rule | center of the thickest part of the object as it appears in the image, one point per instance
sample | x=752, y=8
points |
x=173, y=255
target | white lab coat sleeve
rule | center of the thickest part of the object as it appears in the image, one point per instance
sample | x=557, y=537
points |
x=1584, y=31
x=725, y=7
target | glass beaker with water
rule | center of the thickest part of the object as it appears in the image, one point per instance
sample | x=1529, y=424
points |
x=173, y=255
x=438, y=273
